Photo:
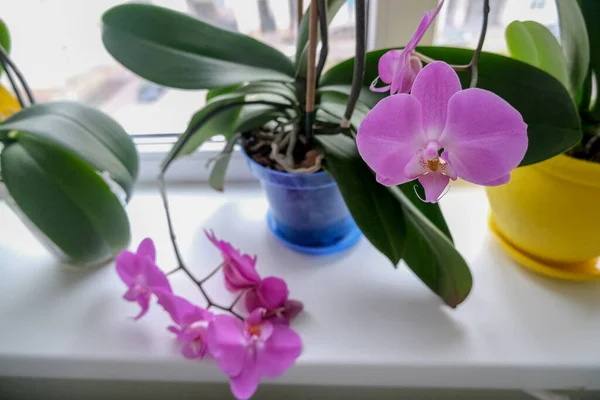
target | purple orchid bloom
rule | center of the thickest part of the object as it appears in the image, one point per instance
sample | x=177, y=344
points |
x=399, y=68
x=440, y=132
x=272, y=295
x=248, y=350
x=239, y=269
x=141, y=275
x=191, y=323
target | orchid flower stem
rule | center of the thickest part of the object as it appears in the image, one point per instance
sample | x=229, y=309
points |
x=474, y=64
x=322, y=11
x=11, y=79
x=200, y=282
x=6, y=61
x=173, y=271
x=209, y=301
x=239, y=296
x=359, y=62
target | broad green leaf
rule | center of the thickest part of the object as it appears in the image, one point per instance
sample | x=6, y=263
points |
x=177, y=50
x=544, y=103
x=431, y=210
x=591, y=13
x=254, y=116
x=376, y=212
x=394, y=225
x=334, y=103
x=575, y=43
x=4, y=39
x=65, y=198
x=217, y=175
x=221, y=124
x=367, y=97
x=88, y=133
x=432, y=256
x=333, y=6
x=532, y=43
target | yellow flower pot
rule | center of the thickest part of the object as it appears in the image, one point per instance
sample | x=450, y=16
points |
x=548, y=217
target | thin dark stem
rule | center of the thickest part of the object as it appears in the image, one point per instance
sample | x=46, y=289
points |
x=6, y=60
x=13, y=83
x=322, y=11
x=359, y=62
x=474, y=64
x=210, y=275
x=239, y=296
x=191, y=130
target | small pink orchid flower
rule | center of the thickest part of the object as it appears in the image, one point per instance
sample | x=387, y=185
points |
x=399, y=68
x=191, y=323
x=140, y=273
x=440, y=132
x=248, y=350
x=270, y=294
x=239, y=269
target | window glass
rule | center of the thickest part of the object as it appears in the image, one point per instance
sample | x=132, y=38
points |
x=57, y=44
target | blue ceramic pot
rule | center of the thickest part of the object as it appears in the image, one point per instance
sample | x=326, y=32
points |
x=307, y=211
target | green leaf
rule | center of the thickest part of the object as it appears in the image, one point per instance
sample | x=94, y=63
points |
x=591, y=14
x=333, y=6
x=367, y=97
x=432, y=256
x=217, y=175
x=4, y=39
x=534, y=44
x=254, y=116
x=395, y=225
x=575, y=43
x=88, y=133
x=177, y=50
x=546, y=106
x=221, y=124
x=334, y=103
x=377, y=214
x=65, y=198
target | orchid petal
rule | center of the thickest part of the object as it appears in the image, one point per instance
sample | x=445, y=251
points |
x=246, y=382
x=485, y=137
x=387, y=65
x=127, y=267
x=144, y=301
x=382, y=89
x=390, y=135
x=227, y=343
x=292, y=308
x=155, y=278
x=500, y=181
x=273, y=292
x=405, y=74
x=434, y=87
x=147, y=249
x=434, y=184
x=280, y=351
x=182, y=312
x=425, y=23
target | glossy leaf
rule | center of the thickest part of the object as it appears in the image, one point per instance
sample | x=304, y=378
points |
x=432, y=256
x=591, y=13
x=375, y=211
x=534, y=44
x=217, y=175
x=575, y=43
x=65, y=198
x=333, y=6
x=367, y=97
x=394, y=225
x=174, y=49
x=334, y=103
x=546, y=106
x=4, y=39
x=88, y=133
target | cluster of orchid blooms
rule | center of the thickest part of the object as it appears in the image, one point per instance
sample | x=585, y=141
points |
x=432, y=130
x=245, y=348
x=429, y=129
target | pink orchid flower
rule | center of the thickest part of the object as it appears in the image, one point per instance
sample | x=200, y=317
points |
x=399, y=68
x=272, y=295
x=239, y=269
x=440, y=132
x=141, y=275
x=248, y=350
x=191, y=323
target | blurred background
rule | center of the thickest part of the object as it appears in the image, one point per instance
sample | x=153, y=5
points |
x=57, y=44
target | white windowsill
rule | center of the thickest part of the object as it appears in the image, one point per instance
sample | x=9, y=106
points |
x=365, y=323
